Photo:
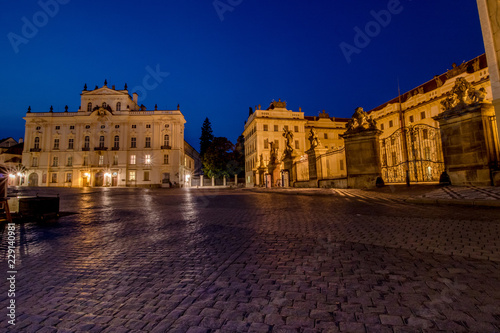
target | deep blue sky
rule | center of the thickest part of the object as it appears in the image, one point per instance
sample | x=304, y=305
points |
x=260, y=51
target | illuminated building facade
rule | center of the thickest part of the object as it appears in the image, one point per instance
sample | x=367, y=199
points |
x=109, y=141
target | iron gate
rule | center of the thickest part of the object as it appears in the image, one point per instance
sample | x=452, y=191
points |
x=422, y=155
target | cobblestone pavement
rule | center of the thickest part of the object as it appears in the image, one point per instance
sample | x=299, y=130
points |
x=138, y=260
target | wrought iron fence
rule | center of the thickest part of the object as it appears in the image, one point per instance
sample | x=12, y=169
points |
x=421, y=156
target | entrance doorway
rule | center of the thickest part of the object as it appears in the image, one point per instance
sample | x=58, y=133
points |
x=99, y=179
x=33, y=179
x=114, y=179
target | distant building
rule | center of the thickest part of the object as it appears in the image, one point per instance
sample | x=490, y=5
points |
x=11, y=153
x=264, y=129
x=110, y=141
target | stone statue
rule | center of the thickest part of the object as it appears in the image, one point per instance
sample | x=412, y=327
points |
x=461, y=89
x=477, y=96
x=313, y=138
x=439, y=83
x=288, y=135
x=360, y=121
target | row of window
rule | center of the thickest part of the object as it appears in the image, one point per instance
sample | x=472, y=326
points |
x=411, y=119
x=276, y=128
x=72, y=127
x=69, y=177
x=69, y=161
x=116, y=142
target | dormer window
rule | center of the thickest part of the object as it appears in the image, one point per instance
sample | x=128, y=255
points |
x=89, y=107
x=118, y=106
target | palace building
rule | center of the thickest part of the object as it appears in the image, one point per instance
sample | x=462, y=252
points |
x=410, y=143
x=110, y=141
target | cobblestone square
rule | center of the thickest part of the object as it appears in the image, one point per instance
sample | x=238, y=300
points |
x=206, y=260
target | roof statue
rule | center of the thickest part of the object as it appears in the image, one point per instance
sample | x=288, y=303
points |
x=313, y=138
x=360, y=121
x=85, y=87
x=462, y=95
x=125, y=88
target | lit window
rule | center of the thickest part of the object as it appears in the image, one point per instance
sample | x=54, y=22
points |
x=69, y=177
x=131, y=176
x=148, y=142
x=132, y=159
x=56, y=143
x=133, y=142
x=101, y=160
x=147, y=159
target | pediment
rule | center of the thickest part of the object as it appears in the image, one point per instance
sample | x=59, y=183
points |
x=104, y=91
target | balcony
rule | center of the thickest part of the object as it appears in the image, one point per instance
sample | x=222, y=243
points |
x=85, y=149
x=100, y=148
x=166, y=147
x=35, y=150
x=115, y=148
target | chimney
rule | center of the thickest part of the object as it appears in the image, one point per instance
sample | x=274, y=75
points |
x=135, y=97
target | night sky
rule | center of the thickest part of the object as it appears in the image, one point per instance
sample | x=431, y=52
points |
x=221, y=62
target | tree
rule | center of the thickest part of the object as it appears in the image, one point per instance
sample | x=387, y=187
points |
x=239, y=157
x=217, y=160
x=206, y=137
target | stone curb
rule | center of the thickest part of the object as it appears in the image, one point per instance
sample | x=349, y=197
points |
x=461, y=202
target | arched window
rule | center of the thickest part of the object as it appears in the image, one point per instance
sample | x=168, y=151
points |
x=118, y=106
x=117, y=141
x=166, y=140
x=89, y=107
x=101, y=141
x=37, y=143
x=87, y=142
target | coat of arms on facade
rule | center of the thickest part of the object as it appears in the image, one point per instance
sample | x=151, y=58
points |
x=462, y=95
x=360, y=121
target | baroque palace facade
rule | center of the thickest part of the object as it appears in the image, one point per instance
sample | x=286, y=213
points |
x=109, y=141
x=410, y=138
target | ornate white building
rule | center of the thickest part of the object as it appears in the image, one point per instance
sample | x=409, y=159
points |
x=109, y=141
